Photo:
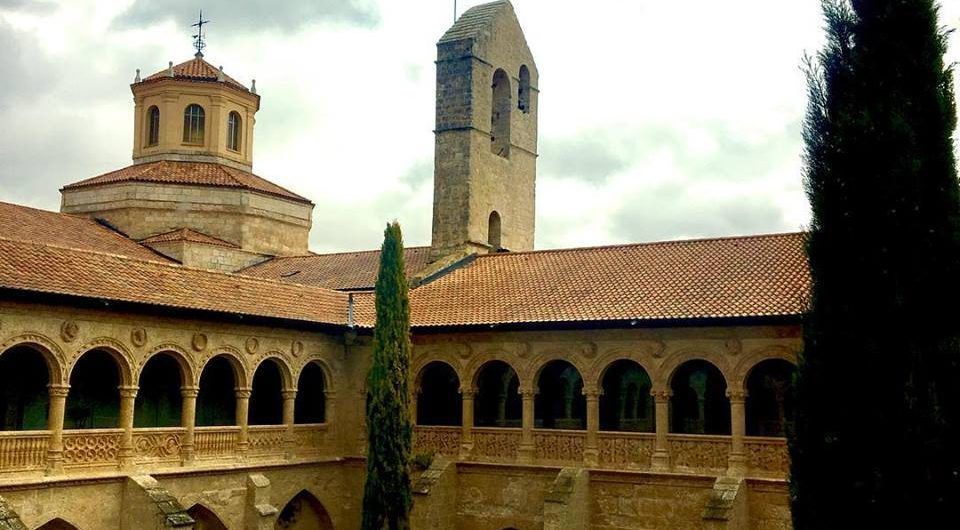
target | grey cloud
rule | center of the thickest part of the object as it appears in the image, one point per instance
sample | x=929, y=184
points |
x=591, y=156
x=254, y=15
x=671, y=211
x=34, y=6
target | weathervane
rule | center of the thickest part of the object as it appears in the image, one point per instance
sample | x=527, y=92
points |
x=198, y=42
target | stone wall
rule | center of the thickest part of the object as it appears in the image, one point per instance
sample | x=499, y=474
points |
x=255, y=222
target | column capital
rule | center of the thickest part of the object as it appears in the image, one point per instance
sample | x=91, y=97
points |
x=129, y=391
x=661, y=394
x=242, y=393
x=58, y=390
x=468, y=393
x=189, y=391
x=592, y=394
x=290, y=393
x=528, y=393
x=736, y=395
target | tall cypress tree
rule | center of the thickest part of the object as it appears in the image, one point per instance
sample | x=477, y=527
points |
x=876, y=441
x=387, y=497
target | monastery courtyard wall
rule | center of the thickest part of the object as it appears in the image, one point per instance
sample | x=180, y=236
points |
x=497, y=456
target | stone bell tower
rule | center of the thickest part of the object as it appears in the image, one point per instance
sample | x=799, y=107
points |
x=485, y=160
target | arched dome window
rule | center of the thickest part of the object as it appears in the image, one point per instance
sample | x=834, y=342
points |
x=153, y=126
x=233, y=131
x=193, y=121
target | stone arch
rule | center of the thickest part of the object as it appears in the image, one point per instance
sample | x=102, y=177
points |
x=472, y=371
x=188, y=372
x=51, y=352
x=599, y=367
x=286, y=372
x=25, y=379
x=625, y=401
x=770, y=397
x=523, y=89
x=237, y=362
x=310, y=405
x=116, y=349
x=57, y=523
x=750, y=360
x=698, y=401
x=95, y=388
x=304, y=512
x=205, y=518
x=159, y=401
x=443, y=356
x=664, y=373
x=270, y=379
x=500, y=114
x=497, y=402
x=216, y=401
x=536, y=366
x=439, y=401
x=559, y=401
x=329, y=379
x=494, y=230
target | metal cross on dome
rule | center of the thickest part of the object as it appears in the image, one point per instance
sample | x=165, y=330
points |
x=198, y=39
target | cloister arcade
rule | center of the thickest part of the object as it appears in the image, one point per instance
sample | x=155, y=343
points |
x=684, y=414
x=98, y=411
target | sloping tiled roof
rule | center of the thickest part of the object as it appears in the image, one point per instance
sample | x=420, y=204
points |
x=750, y=276
x=52, y=269
x=345, y=270
x=474, y=20
x=60, y=229
x=195, y=173
x=195, y=69
x=186, y=234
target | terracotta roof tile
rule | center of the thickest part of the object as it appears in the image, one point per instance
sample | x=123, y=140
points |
x=195, y=69
x=196, y=173
x=748, y=276
x=60, y=229
x=345, y=270
x=186, y=234
x=52, y=269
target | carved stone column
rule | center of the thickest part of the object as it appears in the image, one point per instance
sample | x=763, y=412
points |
x=128, y=398
x=188, y=420
x=737, y=465
x=466, y=435
x=58, y=405
x=289, y=402
x=243, y=410
x=661, y=445
x=332, y=442
x=527, y=448
x=591, y=449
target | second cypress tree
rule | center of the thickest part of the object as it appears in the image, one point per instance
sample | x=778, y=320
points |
x=876, y=442
x=386, y=497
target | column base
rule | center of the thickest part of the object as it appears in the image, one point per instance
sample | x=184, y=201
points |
x=736, y=465
x=526, y=453
x=186, y=456
x=466, y=451
x=591, y=457
x=660, y=461
x=54, y=463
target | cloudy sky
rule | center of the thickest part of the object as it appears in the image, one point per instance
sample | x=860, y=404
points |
x=658, y=119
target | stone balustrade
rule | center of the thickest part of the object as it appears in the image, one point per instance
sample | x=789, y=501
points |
x=23, y=450
x=85, y=449
x=628, y=451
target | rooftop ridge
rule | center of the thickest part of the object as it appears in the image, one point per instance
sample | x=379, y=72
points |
x=86, y=220
x=178, y=266
x=346, y=252
x=140, y=173
x=663, y=242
